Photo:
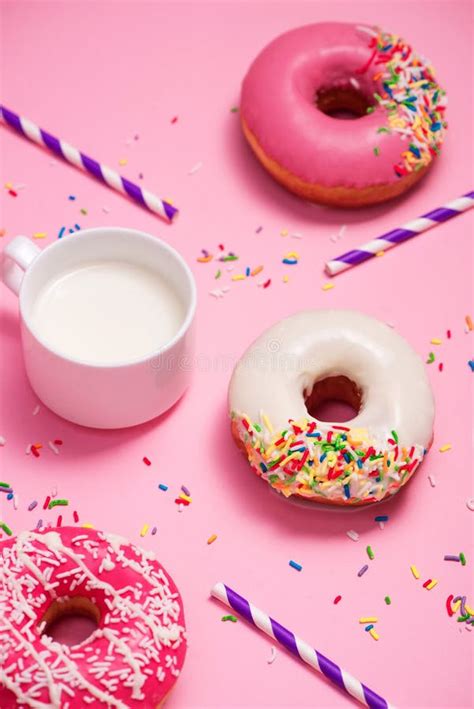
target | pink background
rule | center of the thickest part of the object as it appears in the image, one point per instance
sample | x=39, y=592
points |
x=98, y=73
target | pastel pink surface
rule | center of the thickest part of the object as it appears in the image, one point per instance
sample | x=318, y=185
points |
x=96, y=74
x=278, y=106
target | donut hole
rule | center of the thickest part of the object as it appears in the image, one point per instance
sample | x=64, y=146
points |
x=343, y=102
x=70, y=621
x=334, y=399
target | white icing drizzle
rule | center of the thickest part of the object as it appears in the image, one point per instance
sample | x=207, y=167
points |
x=130, y=649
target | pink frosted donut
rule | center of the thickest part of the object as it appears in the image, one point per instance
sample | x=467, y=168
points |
x=133, y=657
x=303, y=80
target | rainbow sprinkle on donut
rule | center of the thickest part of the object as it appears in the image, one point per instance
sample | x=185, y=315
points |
x=414, y=101
x=315, y=460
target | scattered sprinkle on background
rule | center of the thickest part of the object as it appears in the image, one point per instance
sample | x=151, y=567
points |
x=179, y=102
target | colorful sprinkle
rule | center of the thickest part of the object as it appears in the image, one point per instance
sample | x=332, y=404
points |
x=232, y=618
x=32, y=505
x=431, y=585
x=212, y=539
x=388, y=600
x=446, y=447
x=327, y=286
x=336, y=600
x=163, y=487
x=436, y=341
x=381, y=518
x=374, y=634
x=6, y=528
x=362, y=571
x=295, y=565
x=352, y=534
x=195, y=168
x=415, y=571
x=320, y=463
x=53, y=447
x=146, y=461
x=144, y=530
x=368, y=620
x=462, y=559
x=273, y=655
x=469, y=323
x=451, y=557
x=370, y=553
x=431, y=358
x=55, y=503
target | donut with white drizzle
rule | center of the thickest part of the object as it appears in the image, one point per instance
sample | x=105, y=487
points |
x=317, y=355
x=136, y=653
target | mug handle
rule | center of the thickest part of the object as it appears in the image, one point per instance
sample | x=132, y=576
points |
x=17, y=257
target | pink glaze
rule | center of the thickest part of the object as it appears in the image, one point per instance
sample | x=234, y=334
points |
x=140, y=640
x=278, y=105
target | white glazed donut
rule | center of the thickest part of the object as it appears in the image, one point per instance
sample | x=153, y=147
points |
x=326, y=354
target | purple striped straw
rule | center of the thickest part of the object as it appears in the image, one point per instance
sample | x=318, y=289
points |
x=298, y=647
x=30, y=130
x=397, y=236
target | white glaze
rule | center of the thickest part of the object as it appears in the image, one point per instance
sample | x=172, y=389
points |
x=316, y=344
x=270, y=382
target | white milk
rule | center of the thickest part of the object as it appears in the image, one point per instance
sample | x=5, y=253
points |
x=105, y=312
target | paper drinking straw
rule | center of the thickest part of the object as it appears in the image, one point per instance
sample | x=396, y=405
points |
x=111, y=178
x=397, y=236
x=298, y=647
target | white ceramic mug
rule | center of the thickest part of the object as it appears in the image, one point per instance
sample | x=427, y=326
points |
x=102, y=395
